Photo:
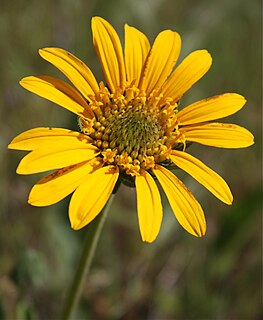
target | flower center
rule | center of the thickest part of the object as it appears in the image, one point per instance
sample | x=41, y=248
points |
x=132, y=131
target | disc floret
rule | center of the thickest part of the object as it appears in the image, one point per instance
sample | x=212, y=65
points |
x=133, y=132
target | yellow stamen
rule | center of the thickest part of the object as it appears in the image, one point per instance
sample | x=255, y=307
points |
x=133, y=131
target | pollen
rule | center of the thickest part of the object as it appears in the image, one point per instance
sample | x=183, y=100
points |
x=132, y=131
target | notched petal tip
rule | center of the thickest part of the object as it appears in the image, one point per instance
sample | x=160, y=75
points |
x=228, y=199
x=148, y=241
x=42, y=51
x=202, y=233
x=11, y=145
x=251, y=139
x=236, y=99
x=47, y=49
x=96, y=18
x=238, y=96
x=205, y=57
x=24, y=81
x=20, y=170
x=76, y=223
x=199, y=230
x=36, y=204
x=76, y=226
x=207, y=53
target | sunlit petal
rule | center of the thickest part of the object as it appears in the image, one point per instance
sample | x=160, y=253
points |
x=149, y=206
x=137, y=47
x=109, y=51
x=189, y=71
x=91, y=196
x=59, y=92
x=54, y=157
x=161, y=60
x=185, y=207
x=211, y=109
x=221, y=135
x=45, y=137
x=61, y=183
x=73, y=68
x=203, y=174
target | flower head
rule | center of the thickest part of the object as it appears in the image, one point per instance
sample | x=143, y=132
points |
x=131, y=130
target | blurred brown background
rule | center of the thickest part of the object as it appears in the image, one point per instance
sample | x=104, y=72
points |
x=178, y=276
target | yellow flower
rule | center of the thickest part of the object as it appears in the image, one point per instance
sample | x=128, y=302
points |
x=131, y=130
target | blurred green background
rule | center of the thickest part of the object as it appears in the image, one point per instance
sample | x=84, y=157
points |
x=178, y=276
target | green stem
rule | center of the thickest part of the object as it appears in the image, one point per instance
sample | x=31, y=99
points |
x=90, y=245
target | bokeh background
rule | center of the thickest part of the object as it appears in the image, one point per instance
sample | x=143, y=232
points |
x=178, y=276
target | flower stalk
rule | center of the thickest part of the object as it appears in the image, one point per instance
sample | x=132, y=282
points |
x=83, y=268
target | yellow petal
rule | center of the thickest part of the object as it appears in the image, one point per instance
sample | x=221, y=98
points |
x=108, y=47
x=221, y=135
x=161, y=60
x=137, y=47
x=44, y=137
x=203, y=174
x=91, y=196
x=211, y=109
x=73, y=68
x=189, y=71
x=185, y=207
x=61, y=183
x=149, y=207
x=54, y=157
x=59, y=92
